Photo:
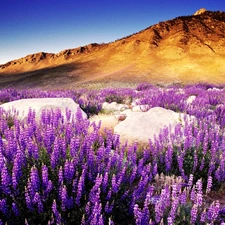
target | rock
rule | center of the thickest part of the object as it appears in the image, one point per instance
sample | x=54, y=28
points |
x=107, y=121
x=200, y=11
x=191, y=99
x=114, y=106
x=143, y=126
x=22, y=106
x=121, y=117
x=140, y=108
x=214, y=89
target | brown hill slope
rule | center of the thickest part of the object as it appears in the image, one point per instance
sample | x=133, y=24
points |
x=185, y=49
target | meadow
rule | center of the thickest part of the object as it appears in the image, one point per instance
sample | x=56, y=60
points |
x=59, y=171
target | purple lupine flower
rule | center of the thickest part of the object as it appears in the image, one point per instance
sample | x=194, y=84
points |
x=95, y=191
x=194, y=214
x=168, y=158
x=107, y=208
x=169, y=220
x=16, y=174
x=64, y=198
x=209, y=184
x=105, y=182
x=63, y=147
x=56, y=213
x=35, y=151
x=183, y=197
x=133, y=174
x=60, y=175
x=193, y=194
x=6, y=180
x=96, y=214
x=180, y=161
x=67, y=170
x=174, y=191
x=1, y=157
x=190, y=181
x=109, y=194
x=28, y=200
x=140, y=166
x=203, y=216
x=114, y=184
x=120, y=177
x=44, y=171
x=3, y=206
x=215, y=209
x=198, y=199
x=71, y=170
x=80, y=186
x=55, y=153
x=162, y=203
x=37, y=200
x=34, y=179
x=48, y=189
x=174, y=206
x=137, y=214
x=100, y=154
x=74, y=146
x=15, y=209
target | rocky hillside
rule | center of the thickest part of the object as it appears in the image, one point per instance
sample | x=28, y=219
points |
x=185, y=49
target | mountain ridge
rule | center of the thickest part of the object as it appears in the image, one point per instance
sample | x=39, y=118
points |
x=151, y=54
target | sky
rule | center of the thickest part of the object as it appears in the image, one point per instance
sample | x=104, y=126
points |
x=31, y=26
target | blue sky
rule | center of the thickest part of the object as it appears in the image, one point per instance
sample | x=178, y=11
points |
x=30, y=26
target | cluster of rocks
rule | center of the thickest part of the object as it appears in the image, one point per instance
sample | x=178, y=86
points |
x=135, y=123
x=139, y=123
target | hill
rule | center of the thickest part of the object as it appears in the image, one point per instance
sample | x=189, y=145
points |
x=186, y=49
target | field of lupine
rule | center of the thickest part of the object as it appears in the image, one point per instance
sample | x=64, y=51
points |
x=59, y=172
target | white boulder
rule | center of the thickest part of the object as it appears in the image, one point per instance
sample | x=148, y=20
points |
x=143, y=126
x=114, y=106
x=190, y=99
x=23, y=106
x=140, y=108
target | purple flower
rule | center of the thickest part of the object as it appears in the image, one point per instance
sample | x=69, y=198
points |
x=37, y=200
x=194, y=214
x=198, y=199
x=114, y=184
x=193, y=194
x=56, y=213
x=80, y=187
x=64, y=199
x=44, y=171
x=174, y=206
x=15, y=209
x=137, y=214
x=169, y=221
x=209, y=184
x=105, y=182
x=6, y=180
x=3, y=206
x=34, y=179
x=203, y=216
x=60, y=175
x=28, y=200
